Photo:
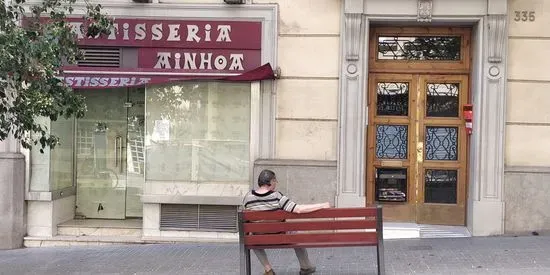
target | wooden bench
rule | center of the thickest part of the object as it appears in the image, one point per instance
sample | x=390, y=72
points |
x=322, y=228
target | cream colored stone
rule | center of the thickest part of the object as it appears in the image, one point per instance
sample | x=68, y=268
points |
x=63, y=209
x=174, y=234
x=527, y=145
x=227, y=235
x=151, y=216
x=309, y=56
x=32, y=243
x=134, y=232
x=516, y=17
x=39, y=213
x=35, y=230
x=192, y=1
x=40, y=177
x=297, y=98
x=151, y=232
x=527, y=59
x=196, y=189
x=203, y=235
x=440, y=7
x=315, y=140
x=528, y=102
x=68, y=231
x=296, y=16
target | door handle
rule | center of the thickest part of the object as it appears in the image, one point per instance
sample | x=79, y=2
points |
x=420, y=152
x=118, y=153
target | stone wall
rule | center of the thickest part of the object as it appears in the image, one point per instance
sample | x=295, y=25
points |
x=303, y=181
x=527, y=176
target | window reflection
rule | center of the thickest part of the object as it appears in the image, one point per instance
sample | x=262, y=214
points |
x=198, y=132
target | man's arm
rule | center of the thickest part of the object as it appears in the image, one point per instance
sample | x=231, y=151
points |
x=307, y=208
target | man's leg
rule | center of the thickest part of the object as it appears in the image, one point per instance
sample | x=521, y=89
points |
x=262, y=256
x=303, y=258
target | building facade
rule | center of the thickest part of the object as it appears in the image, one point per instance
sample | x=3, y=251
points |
x=432, y=108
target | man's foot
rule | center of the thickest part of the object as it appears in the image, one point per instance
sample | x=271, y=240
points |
x=270, y=272
x=306, y=271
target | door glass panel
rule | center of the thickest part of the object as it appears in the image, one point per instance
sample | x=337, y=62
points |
x=392, y=99
x=441, y=143
x=419, y=47
x=391, y=141
x=391, y=184
x=61, y=157
x=101, y=159
x=135, y=154
x=442, y=99
x=440, y=186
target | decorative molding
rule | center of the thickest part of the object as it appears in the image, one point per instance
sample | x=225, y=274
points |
x=493, y=110
x=353, y=35
x=425, y=9
x=496, y=32
x=351, y=122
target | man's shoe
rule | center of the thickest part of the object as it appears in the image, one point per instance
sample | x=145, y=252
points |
x=307, y=271
x=270, y=272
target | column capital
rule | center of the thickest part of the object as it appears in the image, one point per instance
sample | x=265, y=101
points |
x=352, y=33
x=496, y=32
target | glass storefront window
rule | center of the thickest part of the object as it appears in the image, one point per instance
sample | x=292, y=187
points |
x=198, y=132
x=61, y=157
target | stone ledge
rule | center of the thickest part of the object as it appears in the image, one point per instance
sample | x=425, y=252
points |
x=175, y=199
x=67, y=241
x=50, y=195
x=295, y=162
x=4, y=155
x=527, y=169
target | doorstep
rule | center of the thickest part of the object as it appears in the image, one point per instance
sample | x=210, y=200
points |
x=119, y=232
x=67, y=241
x=394, y=230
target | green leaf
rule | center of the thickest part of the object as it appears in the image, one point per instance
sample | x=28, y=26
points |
x=30, y=60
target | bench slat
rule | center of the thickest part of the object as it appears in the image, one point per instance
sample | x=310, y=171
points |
x=313, y=245
x=308, y=225
x=341, y=237
x=323, y=213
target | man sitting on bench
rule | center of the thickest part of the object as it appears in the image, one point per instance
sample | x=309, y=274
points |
x=265, y=198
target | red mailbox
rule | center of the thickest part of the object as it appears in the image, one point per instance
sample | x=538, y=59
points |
x=468, y=117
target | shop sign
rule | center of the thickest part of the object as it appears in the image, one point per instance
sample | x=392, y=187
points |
x=171, y=49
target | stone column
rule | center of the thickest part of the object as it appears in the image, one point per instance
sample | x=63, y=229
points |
x=487, y=213
x=352, y=114
x=12, y=194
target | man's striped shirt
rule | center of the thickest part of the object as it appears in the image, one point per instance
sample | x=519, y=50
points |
x=270, y=201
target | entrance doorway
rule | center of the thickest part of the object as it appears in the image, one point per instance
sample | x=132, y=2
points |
x=110, y=154
x=417, y=141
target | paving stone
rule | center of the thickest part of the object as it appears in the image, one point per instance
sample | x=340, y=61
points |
x=488, y=255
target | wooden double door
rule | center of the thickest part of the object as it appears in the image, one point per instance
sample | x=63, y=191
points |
x=417, y=146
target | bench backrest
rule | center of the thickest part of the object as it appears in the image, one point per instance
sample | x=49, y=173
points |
x=361, y=226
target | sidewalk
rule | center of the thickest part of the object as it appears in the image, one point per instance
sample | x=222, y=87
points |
x=491, y=255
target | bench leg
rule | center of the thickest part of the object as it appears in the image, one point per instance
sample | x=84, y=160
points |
x=245, y=261
x=380, y=246
x=248, y=267
x=380, y=259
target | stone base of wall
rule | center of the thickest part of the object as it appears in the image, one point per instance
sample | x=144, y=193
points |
x=526, y=194
x=12, y=200
x=304, y=181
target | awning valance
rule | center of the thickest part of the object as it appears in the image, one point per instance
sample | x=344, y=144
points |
x=115, y=78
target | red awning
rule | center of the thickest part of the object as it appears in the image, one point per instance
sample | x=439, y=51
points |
x=80, y=78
